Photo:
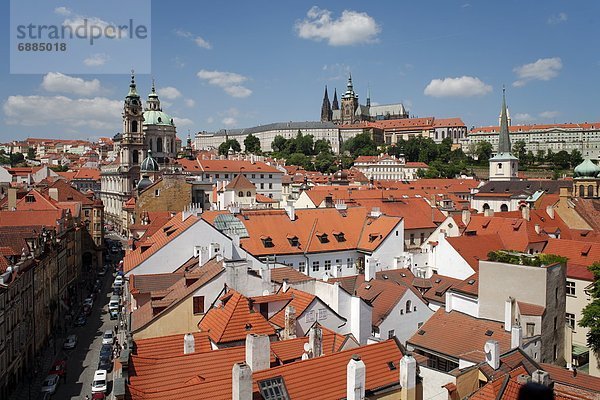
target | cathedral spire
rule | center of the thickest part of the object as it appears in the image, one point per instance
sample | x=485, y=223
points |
x=334, y=104
x=326, y=112
x=503, y=137
x=132, y=86
x=153, y=102
x=368, y=95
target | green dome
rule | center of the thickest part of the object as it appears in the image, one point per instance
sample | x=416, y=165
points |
x=149, y=163
x=587, y=169
x=152, y=117
x=144, y=183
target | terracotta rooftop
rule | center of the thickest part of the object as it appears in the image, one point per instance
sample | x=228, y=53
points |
x=580, y=255
x=240, y=182
x=531, y=309
x=469, y=335
x=171, y=345
x=299, y=300
x=476, y=248
x=233, y=320
x=291, y=274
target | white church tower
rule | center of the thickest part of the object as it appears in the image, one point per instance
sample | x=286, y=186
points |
x=504, y=166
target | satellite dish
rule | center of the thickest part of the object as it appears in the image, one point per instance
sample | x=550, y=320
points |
x=306, y=347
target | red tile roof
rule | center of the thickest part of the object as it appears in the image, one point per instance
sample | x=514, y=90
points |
x=171, y=345
x=567, y=378
x=240, y=182
x=299, y=300
x=291, y=274
x=173, y=228
x=233, y=320
x=531, y=309
x=580, y=255
x=468, y=335
x=476, y=248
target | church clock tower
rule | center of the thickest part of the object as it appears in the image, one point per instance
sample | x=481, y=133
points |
x=132, y=144
x=349, y=103
x=504, y=166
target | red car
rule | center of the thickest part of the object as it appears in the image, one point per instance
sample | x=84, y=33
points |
x=98, y=396
x=58, y=368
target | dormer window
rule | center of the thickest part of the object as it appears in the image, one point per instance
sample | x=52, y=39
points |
x=267, y=241
x=373, y=236
x=30, y=198
x=323, y=237
x=294, y=241
x=339, y=236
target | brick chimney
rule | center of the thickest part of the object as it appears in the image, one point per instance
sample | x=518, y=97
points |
x=258, y=352
x=241, y=379
x=408, y=377
x=289, y=331
x=315, y=341
x=356, y=374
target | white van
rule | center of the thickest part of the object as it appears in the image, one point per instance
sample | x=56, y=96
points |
x=99, y=383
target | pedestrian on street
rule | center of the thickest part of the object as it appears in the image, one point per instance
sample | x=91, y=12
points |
x=87, y=397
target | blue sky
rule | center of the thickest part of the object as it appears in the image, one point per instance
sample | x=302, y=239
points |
x=238, y=63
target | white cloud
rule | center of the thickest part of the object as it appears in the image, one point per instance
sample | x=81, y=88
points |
x=465, y=86
x=336, y=71
x=62, y=11
x=190, y=102
x=210, y=120
x=543, y=69
x=94, y=113
x=183, y=121
x=200, y=42
x=549, y=114
x=350, y=28
x=230, y=82
x=169, y=92
x=229, y=121
x=557, y=19
x=60, y=83
x=524, y=117
x=96, y=60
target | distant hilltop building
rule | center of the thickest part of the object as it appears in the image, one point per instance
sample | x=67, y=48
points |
x=351, y=112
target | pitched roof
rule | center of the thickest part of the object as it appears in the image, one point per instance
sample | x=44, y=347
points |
x=171, y=345
x=291, y=274
x=475, y=248
x=173, y=228
x=580, y=255
x=317, y=230
x=233, y=320
x=299, y=300
x=531, y=309
x=240, y=182
x=468, y=335
x=47, y=218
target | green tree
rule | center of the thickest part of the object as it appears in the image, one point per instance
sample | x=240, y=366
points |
x=232, y=144
x=519, y=149
x=562, y=159
x=540, y=157
x=16, y=158
x=591, y=312
x=483, y=151
x=576, y=158
x=252, y=144
x=360, y=145
x=325, y=162
x=279, y=144
x=322, y=146
x=301, y=160
x=31, y=153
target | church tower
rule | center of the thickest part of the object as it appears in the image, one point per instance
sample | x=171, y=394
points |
x=132, y=144
x=334, y=105
x=326, y=112
x=349, y=103
x=504, y=166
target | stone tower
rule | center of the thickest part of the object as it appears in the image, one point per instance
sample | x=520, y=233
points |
x=132, y=143
x=504, y=166
x=349, y=103
x=326, y=112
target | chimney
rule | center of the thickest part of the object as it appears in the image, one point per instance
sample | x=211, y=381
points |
x=408, y=377
x=315, y=341
x=375, y=212
x=370, y=269
x=516, y=337
x=258, y=352
x=265, y=277
x=541, y=377
x=53, y=193
x=241, y=377
x=12, y=198
x=291, y=212
x=537, y=228
x=564, y=192
x=523, y=379
x=285, y=285
x=492, y=353
x=236, y=276
x=508, y=313
x=189, y=344
x=466, y=217
x=488, y=213
x=550, y=212
x=525, y=213
x=289, y=331
x=356, y=374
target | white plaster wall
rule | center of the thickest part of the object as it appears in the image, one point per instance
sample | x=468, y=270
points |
x=447, y=261
x=433, y=382
x=318, y=312
x=464, y=304
x=304, y=201
x=405, y=324
x=390, y=249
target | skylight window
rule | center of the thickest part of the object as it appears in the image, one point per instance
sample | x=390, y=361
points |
x=323, y=237
x=273, y=389
x=267, y=241
x=339, y=236
x=471, y=281
x=391, y=365
x=489, y=333
x=294, y=241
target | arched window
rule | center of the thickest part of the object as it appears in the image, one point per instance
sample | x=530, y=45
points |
x=159, y=145
x=504, y=208
x=136, y=157
x=486, y=206
x=499, y=165
x=581, y=191
x=590, y=191
x=408, y=306
x=134, y=126
x=248, y=194
x=240, y=194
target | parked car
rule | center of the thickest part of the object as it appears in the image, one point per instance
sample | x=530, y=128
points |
x=99, y=383
x=50, y=383
x=98, y=396
x=106, y=364
x=88, y=301
x=118, y=280
x=70, y=342
x=58, y=368
x=114, y=314
x=108, y=337
x=87, y=309
x=81, y=320
x=117, y=290
x=106, y=351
